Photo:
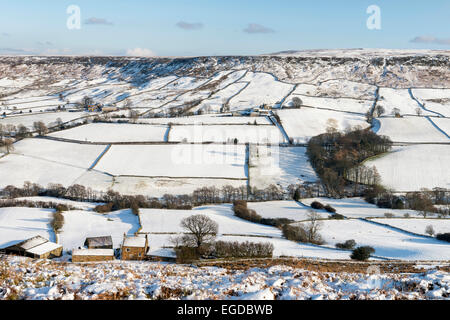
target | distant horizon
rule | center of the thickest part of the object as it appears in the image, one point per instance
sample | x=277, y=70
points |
x=288, y=52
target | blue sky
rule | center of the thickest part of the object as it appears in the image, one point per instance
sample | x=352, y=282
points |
x=211, y=27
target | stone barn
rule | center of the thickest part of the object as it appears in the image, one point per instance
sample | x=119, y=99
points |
x=36, y=247
x=92, y=255
x=99, y=242
x=134, y=247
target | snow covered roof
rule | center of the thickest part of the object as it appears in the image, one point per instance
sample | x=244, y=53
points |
x=162, y=252
x=45, y=247
x=32, y=242
x=99, y=241
x=93, y=252
x=134, y=241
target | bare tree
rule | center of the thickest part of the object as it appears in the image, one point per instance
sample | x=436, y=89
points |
x=396, y=112
x=313, y=226
x=9, y=145
x=419, y=111
x=40, y=127
x=380, y=110
x=133, y=115
x=429, y=230
x=201, y=230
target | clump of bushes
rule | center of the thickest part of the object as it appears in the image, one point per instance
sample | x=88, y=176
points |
x=57, y=221
x=362, y=253
x=348, y=244
x=240, y=210
x=135, y=208
x=186, y=254
x=337, y=216
x=294, y=233
x=329, y=208
x=276, y=222
x=317, y=205
x=443, y=236
x=104, y=208
x=225, y=249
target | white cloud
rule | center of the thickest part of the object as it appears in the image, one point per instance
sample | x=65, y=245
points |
x=140, y=52
x=189, y=26
x=430, y=39
x=94, y=20
x=257, y=28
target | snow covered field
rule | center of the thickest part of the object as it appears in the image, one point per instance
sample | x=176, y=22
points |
x=437, y=100
x=400, y=99
x=222, y=161
x=158, y=187
x=418, y=225
x=226, y=133
x=252, y=96
x=168, y=221
x=163, y=225
x=288, y=209
x=387, y=242
x=411, y=129
x=109, y=132
x=302, y=124
x=73, y=154
x=337, y=89
x=444, y=125
x=78, y=225
x=411, y=168
x=208, y=120
x=18, y=224
x=49, y=118
x=338, y=104
x=280, y=166
x=358, y=208
x=39, y=171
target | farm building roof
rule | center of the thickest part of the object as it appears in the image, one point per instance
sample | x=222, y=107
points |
x=99, y=241
x=134, y=241
x=43, y=248
x=31, y=243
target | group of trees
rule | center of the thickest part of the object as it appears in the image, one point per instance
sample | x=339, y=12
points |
x=199, y=237
x=201, y=196
x=423, y=201
x=337, y=156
